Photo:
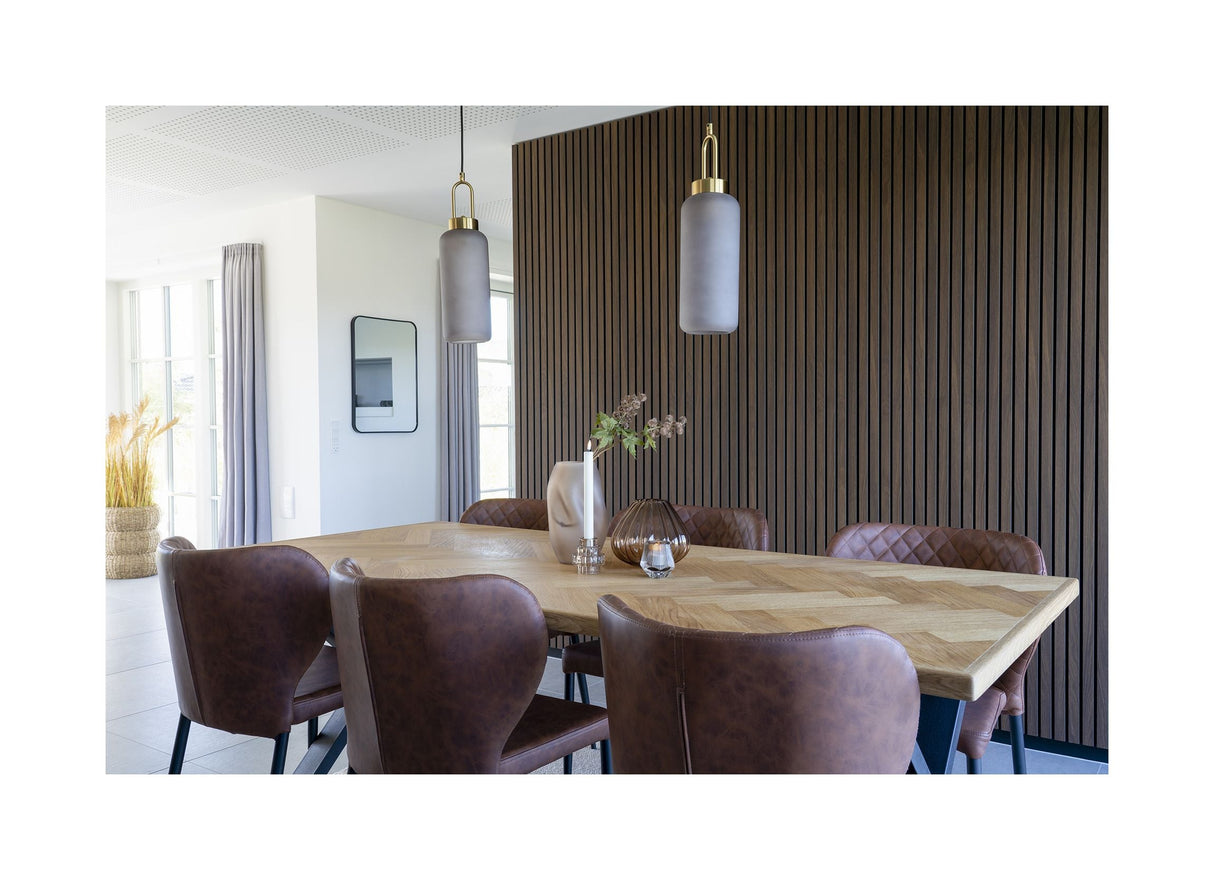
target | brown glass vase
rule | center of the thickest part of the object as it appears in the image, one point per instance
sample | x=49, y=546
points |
x=650, y=516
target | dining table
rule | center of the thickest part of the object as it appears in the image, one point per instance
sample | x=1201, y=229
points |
x=961, y=628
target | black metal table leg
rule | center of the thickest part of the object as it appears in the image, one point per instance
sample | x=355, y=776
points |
x=324, y=751
x=939, y=727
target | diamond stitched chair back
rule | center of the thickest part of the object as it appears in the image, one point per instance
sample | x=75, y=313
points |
x=742, y=527
x=416, y=705
x=514, y=513
x=247, y=628
x=960, y=548
x=683, y=700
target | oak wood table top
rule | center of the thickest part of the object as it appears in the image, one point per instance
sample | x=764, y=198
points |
x=962, y=628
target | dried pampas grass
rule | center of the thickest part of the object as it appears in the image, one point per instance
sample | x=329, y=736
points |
x=129, y=480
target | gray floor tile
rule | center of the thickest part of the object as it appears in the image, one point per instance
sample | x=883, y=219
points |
x=254, y=754
x=134, y=621
x=124, y=756
x=139, y=689
x=157, y=728
x=998, y=761
x=134, y=651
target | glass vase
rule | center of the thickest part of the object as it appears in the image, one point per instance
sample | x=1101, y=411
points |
x=643, y=519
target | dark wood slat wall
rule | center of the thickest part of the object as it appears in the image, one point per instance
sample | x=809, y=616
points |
x=923, y=335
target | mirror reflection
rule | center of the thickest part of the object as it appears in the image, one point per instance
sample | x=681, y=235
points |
x=383, y=370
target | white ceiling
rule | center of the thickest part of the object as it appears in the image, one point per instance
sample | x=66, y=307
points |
x=169, y=164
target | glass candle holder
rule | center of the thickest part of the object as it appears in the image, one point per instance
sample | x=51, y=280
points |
x=657, y=559
x=588, y=556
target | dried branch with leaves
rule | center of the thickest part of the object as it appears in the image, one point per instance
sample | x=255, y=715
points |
x=616, y=428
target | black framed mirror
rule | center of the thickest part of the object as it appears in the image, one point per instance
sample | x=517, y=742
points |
x=383, y=375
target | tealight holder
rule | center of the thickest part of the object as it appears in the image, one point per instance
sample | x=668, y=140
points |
x=657, y=559
x=588, y=556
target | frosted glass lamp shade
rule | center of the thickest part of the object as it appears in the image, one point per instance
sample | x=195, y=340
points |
x=710, y=239
x=463, y=268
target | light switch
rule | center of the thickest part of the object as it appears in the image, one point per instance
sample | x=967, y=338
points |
x=335, y=433
x=288, y=502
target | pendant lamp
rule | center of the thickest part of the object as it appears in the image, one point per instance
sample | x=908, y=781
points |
x=710, y=239
x=463, y=268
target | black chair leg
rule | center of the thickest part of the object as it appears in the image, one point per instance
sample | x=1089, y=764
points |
x=605, y=757
x=973, y=765
x=313, y=730
x=279, y=762
x=567, y=764
x=1019, y=765
x=583, y=687
x=569, y=686
x=183, y=733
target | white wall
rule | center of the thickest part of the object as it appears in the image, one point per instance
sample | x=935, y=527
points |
x=324, y=262
x=385, y=266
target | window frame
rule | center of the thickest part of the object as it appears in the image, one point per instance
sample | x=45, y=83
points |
x=502, y=287
x=206, y=291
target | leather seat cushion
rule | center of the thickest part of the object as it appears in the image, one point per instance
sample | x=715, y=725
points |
x=551, y=729
x=585, y=658
x=319, y=690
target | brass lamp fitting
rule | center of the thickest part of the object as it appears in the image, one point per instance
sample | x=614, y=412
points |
x=706, y=183
x=461, y=222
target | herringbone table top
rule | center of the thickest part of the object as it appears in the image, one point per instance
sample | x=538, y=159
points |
x=961, y=628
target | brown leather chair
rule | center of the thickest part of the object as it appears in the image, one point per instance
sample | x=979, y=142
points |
x=741, y=527
x=682, y=700
x=247, y=628
x=960, y=548
x=413, y=705
x=524, y=513
x=514, y=513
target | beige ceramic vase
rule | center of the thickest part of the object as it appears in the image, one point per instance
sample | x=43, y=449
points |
x=565, y=504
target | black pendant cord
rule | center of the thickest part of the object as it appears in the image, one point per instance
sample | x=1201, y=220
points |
x=461, y=140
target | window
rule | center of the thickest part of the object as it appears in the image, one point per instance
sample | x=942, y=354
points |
x=174, y=342
x=495, y=366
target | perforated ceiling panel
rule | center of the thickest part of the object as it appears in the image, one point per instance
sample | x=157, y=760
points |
x=428, y=123
x=498, y=213
x=289, y=137
x=115, y=115
x=134, y=158
x=122, y=197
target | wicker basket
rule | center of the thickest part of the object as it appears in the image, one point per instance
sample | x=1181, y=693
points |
x=130, y=541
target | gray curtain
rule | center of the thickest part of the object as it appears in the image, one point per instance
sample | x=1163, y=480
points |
x=459, y=444
x=244, y=515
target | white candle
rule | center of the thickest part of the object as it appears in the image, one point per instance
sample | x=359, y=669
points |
x=588, y=493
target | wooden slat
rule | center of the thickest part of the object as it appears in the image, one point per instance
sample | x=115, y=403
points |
x=923, y=332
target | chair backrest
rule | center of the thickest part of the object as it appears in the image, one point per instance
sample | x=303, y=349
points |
x=435, y=672
x=515, y=513
x=682, y=700
x=743, y=528
x=938, y=545
x=954, y=548
x=244, y=624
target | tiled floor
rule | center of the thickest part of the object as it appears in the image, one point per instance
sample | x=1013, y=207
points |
x=141, y=706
